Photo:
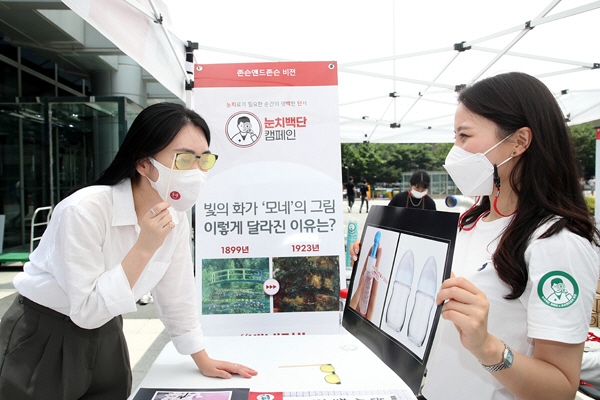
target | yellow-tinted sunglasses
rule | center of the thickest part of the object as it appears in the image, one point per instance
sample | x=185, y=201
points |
x=186, y=160
x=332, y=377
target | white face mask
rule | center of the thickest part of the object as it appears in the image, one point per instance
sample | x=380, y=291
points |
x=472, y=173
x=418, y=195
x=184, y=187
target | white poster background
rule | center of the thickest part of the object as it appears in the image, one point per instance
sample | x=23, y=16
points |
x=286, y=185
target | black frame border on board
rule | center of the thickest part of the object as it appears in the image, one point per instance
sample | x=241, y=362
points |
x=433, y=225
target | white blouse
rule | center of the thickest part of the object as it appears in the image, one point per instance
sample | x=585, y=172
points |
x=76, y=269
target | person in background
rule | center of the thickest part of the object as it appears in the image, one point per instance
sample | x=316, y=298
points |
x=350, y=192
x=417, y=196
x=502, y=336
x=106, y=246
x=364, y=195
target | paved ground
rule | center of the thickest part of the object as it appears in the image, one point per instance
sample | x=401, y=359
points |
x=145, y=334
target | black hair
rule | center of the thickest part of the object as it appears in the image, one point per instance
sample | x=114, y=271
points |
x=151, y=131
x=420, y=178
x=545, y=177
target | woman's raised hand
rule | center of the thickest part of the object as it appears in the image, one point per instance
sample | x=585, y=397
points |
x=156, y=224
x=467, y=307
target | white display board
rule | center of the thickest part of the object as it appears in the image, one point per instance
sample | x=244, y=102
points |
x=269, y=225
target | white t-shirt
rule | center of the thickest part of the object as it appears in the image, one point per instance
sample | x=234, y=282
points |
x=76, y=269
x=565, y=262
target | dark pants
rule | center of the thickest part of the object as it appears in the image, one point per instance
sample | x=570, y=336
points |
x=363, y=200
x=43, y=355
x=350, y=201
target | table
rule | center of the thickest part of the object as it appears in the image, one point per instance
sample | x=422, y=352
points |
x=359, y=369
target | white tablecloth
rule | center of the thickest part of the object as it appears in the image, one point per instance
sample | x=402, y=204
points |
x=359, y=369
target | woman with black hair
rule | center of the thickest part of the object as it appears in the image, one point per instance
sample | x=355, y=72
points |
x=517, y=307
x=107, y=245
x=417, y=196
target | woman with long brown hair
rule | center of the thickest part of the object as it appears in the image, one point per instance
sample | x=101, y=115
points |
x=516, y=309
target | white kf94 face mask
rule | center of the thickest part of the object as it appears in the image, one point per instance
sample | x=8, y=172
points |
x=181, y=188
x=472, y=173
x=418, y=195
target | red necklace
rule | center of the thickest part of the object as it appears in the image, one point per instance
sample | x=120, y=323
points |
x=482, y=214
x=496, y=208
x=477, y=220
x=497, y=184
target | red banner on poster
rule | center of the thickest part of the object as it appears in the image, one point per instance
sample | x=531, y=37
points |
x=265, y=74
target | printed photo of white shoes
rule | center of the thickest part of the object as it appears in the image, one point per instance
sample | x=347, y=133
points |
x=396, y=311
x=424, y=302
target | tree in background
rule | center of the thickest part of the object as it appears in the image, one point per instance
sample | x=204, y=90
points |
x=584, y=143
x=385, y=162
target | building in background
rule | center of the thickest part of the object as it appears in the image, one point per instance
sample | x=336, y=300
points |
x=67, y=98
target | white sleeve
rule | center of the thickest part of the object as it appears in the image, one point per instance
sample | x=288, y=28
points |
x=564, y=260
x=96, y=292
x=590, y=368
x=175, y=296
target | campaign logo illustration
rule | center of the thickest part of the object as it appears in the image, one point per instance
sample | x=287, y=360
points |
x=558, y=289
x=243, y=129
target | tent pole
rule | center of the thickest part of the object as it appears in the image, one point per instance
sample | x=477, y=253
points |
x=564, y=14
x=396, y=57
x=534, y=57
x=177, y=55
x=141, y=9
x=394, y=53
x=427, y=88
x=399, y=78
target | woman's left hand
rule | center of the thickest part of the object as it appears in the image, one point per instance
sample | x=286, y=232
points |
x=467, y=307
x=220, y=369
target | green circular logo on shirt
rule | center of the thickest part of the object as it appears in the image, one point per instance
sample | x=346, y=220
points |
x=558, y=289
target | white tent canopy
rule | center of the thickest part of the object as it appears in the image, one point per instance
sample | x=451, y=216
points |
x=399, y=62
x=136, y=27
x=408, y=48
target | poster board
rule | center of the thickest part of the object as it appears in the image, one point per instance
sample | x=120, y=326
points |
x=391, y=308
x=268, y=223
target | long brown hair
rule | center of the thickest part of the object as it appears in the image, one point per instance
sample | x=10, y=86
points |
x=545, y=178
